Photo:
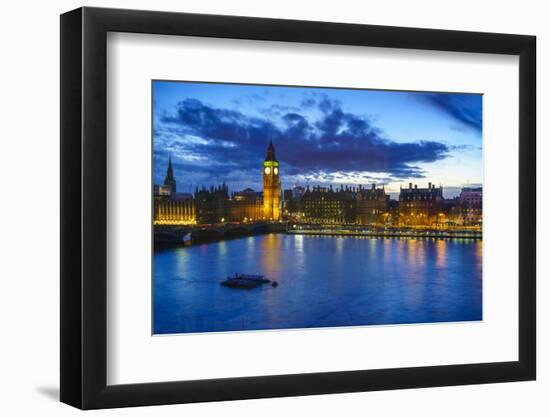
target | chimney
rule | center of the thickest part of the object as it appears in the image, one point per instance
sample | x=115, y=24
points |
x=415, y=186
x=429, y=185
x=410, y=185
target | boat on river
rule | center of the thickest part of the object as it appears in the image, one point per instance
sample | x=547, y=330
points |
x=245, y=281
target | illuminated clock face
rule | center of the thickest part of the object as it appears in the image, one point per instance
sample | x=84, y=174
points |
x=276, y=170
x=267, y=170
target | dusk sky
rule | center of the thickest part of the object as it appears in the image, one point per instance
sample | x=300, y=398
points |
x=322, y=136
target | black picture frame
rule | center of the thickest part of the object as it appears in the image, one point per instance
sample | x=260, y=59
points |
x=84, y=207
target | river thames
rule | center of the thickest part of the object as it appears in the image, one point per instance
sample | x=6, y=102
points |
x=324, y=281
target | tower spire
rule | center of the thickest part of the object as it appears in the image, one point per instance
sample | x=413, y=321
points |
x=270, y=152
x=170, y=170
x=169, y=179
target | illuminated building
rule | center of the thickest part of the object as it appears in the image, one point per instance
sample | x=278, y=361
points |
x=471, y=206
x=420, y=206
x=325, y=205
x=169, y=207
x=272, y=185
x=453, y=213
x=393, y=211
x=320, y=205
x=177, y=210
x=212, y=205
x=246, y=205
x=372, y=205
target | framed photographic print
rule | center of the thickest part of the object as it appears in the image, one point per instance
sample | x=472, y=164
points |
x=257, y=208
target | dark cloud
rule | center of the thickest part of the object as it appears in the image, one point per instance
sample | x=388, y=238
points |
x=308, y=102
x=233, y=144
x=278, y=110
x=326, y=105
x=464, y=108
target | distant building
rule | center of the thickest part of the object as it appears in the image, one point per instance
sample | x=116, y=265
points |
x=291, y=199
x=246, y=205
x=297, y=192
x=471, y=205
x=169, y=207
x=393, y=210
x=212, y=205
x=471, y=196
x=325, y=205
x=163, y=190
x=372, y=205
x=453, y=213
x=320, y=204
x=289, y=204
x=420, y=206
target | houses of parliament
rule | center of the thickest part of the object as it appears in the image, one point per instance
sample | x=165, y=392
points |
x=318, y=205
x=215, y=204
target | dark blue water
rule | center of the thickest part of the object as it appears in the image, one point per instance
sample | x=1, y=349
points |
x=323, y=282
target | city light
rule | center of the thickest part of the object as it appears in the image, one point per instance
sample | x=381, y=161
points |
x=345, y=210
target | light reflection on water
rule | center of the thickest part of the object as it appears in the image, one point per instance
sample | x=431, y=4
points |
x=323, y=282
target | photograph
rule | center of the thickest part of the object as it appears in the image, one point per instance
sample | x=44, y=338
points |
x=298, y=207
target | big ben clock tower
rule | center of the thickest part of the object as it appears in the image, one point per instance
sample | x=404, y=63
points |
x=272, y=185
